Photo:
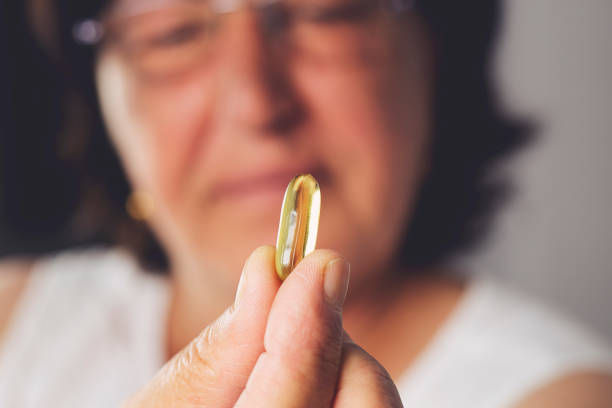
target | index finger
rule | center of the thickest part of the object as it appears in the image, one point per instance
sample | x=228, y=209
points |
x=213, y=369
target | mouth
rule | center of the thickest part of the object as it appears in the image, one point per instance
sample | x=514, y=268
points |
x=265, y=187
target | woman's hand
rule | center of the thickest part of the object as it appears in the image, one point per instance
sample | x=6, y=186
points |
x=277, y=346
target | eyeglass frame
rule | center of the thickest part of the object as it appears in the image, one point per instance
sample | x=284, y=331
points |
x=91, y=32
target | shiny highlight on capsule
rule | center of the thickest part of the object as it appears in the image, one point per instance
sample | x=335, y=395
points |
x=299, y=223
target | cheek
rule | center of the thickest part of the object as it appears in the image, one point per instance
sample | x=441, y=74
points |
x=374, y=135
x=374, y=126
x=379, y=174
x=177, y=115
x=156, y=130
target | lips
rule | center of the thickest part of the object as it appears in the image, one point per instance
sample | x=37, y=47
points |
x=272, y=182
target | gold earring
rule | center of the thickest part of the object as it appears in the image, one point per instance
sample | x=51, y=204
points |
x=140, y=205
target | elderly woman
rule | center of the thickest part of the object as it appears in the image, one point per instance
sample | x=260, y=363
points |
x=211, y=107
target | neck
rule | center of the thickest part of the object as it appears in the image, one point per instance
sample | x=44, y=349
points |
x=396, y=321
x=196, y=301
x=365, y=304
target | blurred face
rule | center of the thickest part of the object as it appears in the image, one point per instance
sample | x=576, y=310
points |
x=213, y=114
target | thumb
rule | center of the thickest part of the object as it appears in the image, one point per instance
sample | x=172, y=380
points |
x=213, y=369
x=303, y=340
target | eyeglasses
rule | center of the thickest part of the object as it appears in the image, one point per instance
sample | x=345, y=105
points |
x=163, y=38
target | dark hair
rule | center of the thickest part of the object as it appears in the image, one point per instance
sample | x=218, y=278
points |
x=62, y=184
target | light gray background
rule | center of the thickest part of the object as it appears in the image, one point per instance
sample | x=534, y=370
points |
x=555, y=238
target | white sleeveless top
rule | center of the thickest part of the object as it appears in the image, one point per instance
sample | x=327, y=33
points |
x=89, y=331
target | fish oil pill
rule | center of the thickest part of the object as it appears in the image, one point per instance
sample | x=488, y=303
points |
x=299, y=223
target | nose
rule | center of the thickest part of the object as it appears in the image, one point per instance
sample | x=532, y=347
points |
x=255, y=88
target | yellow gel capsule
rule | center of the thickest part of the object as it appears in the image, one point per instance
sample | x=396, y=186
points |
x=299, y=223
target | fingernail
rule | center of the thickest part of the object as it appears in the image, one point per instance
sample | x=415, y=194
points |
x=335, y=281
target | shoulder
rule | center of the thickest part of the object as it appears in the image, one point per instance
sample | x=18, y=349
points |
x=562, y=363
x=529, y=331
x=587, y=389
x=100, y=270
x=70, y=285
x=92, y=305
x=76, y=285
x=502, y=345
x=14, y=276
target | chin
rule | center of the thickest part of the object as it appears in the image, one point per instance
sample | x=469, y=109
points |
x=231, y=248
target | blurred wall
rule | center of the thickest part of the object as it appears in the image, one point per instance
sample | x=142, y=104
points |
x=555, y=239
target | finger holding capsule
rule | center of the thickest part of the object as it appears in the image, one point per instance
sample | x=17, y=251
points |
x=299, y=223
x=303, y=339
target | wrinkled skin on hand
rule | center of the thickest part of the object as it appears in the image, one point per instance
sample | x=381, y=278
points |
x=276, y=346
